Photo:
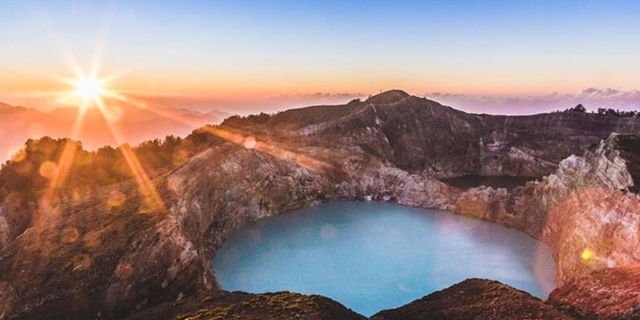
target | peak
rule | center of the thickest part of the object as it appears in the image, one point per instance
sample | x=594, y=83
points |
x=390, y=96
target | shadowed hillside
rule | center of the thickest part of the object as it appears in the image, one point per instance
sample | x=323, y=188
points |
x=136, y=124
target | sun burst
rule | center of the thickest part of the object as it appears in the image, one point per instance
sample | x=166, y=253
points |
x=88, y=90
x=89, y=87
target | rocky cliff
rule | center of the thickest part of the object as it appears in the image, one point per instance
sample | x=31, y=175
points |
x=476, y=299
x=111, y=241
x=586, y=210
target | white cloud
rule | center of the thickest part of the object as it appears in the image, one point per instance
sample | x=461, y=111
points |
x=591, y=98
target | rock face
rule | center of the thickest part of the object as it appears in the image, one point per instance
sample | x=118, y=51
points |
x=112, y=242
x=14, y=218
x=475, y=299
x=592, y=218
x=237, y=305
x=585, y=210
x=419, y=135
x=629, y=150
x=278, y=306
x=604, y=294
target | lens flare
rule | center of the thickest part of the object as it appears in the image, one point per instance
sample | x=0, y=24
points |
x=48, y=169
x=249, y=142
x=586, y=255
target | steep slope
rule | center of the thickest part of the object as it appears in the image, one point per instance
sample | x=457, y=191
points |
x=476, y=299
x=273, y=306
x=629, y=148
x=585, y=210
x=611, y=293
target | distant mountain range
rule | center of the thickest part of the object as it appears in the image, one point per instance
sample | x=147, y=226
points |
x=135, y=124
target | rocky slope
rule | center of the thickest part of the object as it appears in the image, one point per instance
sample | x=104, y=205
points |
x=111, y=243
x=238, y=305
x=476, y=299
x=419, y=135
x=610, y=293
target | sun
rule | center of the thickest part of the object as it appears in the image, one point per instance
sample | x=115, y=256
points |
x=89, y=87
x=89, y=90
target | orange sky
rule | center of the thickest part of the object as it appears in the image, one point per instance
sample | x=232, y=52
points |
x=251, y=51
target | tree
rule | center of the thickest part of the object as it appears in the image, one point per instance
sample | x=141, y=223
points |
x=579, y=108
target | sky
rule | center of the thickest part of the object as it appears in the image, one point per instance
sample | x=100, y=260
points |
x=485, y=56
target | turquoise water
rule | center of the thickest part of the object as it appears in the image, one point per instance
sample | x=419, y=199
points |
x=372, y=256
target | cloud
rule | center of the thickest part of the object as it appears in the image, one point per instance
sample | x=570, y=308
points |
x=591, y=98
x=632, y=97
x=247, y=105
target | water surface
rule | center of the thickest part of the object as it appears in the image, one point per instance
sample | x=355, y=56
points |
x=372, y=256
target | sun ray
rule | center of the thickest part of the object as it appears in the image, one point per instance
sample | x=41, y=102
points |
x=113, y=94
x=240, y=139
x=63, y=168
x=65, y=162
x=250, y=142
x=151, y=197
x=237, y=138
x=91, y=90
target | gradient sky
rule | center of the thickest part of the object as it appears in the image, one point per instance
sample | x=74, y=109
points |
x=258, y=49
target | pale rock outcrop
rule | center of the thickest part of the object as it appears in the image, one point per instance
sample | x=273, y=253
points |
x=7, y=299
x=592, y=220
x=4, y=231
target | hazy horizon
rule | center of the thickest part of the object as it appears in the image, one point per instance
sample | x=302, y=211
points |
x=246, y=57
x=591, y=98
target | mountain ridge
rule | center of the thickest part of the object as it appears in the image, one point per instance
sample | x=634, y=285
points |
x=417, y=125
x=106, y=250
